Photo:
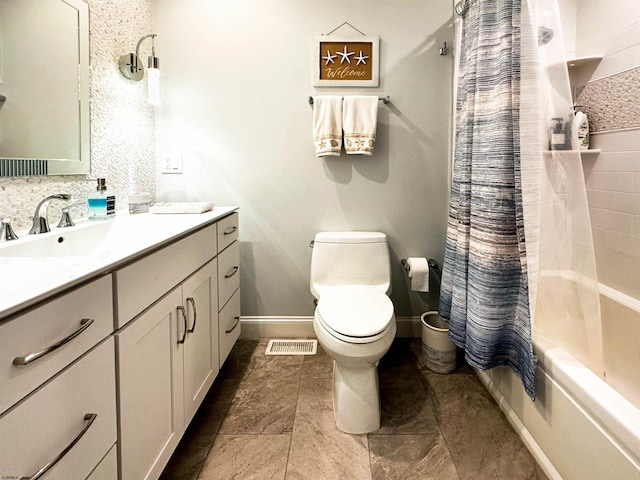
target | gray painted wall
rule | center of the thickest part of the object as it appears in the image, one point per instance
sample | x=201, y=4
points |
x=235, y=80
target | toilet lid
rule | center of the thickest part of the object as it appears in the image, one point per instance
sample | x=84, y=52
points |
x=355, y=310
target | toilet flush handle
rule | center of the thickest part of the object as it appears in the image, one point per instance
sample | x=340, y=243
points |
x=312, y=243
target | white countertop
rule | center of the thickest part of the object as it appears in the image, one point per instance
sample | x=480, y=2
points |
x=26, y=280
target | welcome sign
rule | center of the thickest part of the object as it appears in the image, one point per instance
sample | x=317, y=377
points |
x=346, y=62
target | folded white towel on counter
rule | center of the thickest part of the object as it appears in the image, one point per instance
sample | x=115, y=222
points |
x=182, y=207
x=359, y=121
x=327, y=125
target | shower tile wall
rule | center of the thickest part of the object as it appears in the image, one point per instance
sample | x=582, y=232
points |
x=613, y=190
x=609, y=97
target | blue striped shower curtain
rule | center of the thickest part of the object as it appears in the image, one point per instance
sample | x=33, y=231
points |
x=484, y=293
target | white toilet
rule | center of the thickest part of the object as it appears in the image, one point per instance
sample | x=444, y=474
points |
x=354, y=320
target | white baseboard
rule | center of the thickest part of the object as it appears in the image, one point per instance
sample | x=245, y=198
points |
x=409, y=327
x=302, y=327
x=277, y=327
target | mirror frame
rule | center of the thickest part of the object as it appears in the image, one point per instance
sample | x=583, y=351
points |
x=10, y=167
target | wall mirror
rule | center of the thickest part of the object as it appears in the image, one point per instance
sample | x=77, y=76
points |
x=44, y=87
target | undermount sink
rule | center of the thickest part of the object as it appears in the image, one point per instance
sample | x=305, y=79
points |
x=77, y=241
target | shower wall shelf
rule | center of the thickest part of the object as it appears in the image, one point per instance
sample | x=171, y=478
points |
x=584, y=61
x=581, y=70
x=591, y=151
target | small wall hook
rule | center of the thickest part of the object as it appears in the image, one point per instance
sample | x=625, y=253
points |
x=444, y=50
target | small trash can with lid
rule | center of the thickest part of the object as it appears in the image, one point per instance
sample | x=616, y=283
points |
x=438, y=352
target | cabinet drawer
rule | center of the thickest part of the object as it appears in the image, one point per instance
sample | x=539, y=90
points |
x=46, y=326
x=143, y=282
x=44, y=424
x=227, y=231
x=229, y=325
x=228, y=273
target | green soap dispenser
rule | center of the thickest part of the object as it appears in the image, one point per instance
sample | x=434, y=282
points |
x=102, y=203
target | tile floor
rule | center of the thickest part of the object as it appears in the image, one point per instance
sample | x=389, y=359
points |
x=271, y=417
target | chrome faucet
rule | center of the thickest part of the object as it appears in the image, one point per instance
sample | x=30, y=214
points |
x=65, y=219
x=40, y=222
x=6, y=231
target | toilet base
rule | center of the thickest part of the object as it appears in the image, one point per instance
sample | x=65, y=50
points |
x=356, y=398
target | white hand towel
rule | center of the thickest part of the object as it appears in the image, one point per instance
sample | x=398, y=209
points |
x=327, y=125
x=359, y=121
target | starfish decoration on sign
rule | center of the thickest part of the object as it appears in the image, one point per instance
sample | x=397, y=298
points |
x=361, y=59
x=345, y=55
x=329, y=58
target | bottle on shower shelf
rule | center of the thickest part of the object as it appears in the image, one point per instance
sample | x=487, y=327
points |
x=581, y=129
x=568, y=138
x=557, y=135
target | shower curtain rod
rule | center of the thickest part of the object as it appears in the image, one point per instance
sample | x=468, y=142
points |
x=461, y=7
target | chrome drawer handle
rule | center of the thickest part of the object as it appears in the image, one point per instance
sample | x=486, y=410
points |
x=234, y=326
x=89, y=418
x=231, y=272
x=32, y=357
x=230, y=230
x=192, y=301
x=184, y=322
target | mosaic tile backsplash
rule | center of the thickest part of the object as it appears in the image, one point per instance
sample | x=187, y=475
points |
x=611, y=103
x=122, y=123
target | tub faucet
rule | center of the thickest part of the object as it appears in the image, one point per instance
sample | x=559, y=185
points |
x=40, y=222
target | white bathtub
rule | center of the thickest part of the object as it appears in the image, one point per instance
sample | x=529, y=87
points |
x=581, y=427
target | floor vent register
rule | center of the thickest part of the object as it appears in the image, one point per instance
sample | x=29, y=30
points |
x=292, y=347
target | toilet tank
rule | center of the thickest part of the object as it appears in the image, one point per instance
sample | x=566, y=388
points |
x=350, y=258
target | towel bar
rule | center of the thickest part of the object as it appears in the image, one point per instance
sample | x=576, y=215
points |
x=384, y=100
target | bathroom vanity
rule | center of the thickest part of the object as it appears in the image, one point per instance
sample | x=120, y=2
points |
x=107, y=358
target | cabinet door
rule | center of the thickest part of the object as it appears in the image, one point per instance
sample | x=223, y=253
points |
x=199, y=298
x=150, y=366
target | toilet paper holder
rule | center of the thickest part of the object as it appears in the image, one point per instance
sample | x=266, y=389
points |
x=433, y=267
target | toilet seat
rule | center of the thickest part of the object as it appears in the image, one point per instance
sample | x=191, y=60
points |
x=355, y=313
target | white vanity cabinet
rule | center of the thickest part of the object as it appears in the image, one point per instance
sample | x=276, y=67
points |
x=104, y=363
x=168, y=360
x=169, y=354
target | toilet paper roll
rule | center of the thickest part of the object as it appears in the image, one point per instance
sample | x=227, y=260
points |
x=419, y=274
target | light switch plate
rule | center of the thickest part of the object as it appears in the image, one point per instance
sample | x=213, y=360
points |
x=172, y=163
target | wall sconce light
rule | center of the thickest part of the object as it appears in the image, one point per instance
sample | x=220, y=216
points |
x=132, y=68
